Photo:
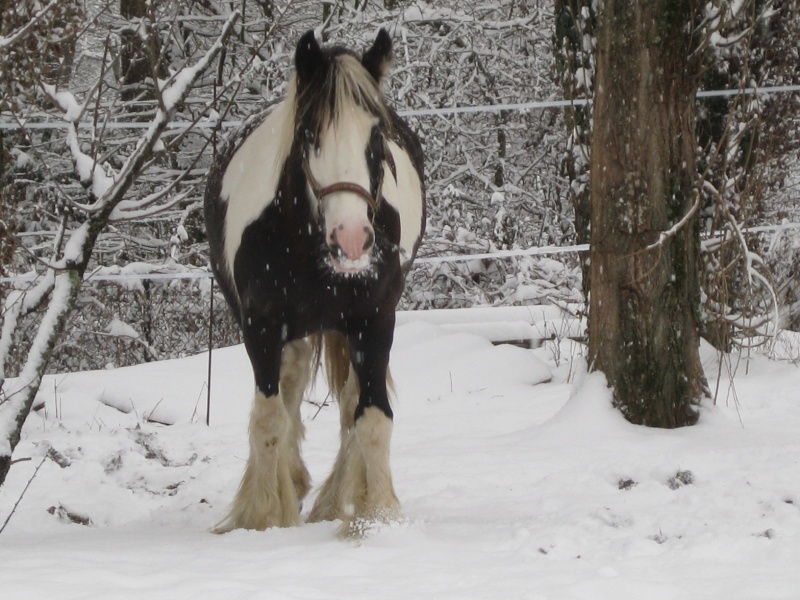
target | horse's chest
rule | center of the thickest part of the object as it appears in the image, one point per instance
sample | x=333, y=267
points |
x=283, y=274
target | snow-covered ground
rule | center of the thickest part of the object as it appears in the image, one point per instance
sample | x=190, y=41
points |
x=518, y=480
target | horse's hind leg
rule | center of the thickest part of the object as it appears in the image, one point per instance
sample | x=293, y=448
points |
x=336, y=494
x=275, y=479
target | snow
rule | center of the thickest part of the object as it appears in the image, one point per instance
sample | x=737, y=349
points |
x=518, y=480
x=120, y=328
x=22, y=160
x=583, y=80
x=91, y=174
x=177, y=89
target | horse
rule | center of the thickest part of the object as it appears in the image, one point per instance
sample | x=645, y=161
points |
x=314, y=212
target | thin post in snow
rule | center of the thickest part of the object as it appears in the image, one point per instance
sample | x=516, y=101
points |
x=210, y=340
x=25, y=489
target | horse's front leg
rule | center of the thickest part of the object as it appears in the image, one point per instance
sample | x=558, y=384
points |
x=275, y=479
x=374, y=423
x=360, y=489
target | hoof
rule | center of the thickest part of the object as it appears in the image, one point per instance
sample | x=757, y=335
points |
x=230, y=523
x=361, y=527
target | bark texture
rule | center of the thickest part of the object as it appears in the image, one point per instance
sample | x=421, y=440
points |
x=643, y=330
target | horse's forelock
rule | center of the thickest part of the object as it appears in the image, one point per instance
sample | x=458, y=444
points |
x=356, y=85
x=345, y=84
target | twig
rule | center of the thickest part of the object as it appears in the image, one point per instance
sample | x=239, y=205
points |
x=673, y=231
x=148, y=417
x=27, y=485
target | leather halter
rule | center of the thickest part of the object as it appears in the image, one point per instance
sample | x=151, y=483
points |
x=347, y=186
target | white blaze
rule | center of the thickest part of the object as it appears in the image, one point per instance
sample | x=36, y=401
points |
x=342, y=159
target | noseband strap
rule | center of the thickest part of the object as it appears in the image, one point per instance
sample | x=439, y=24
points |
x=346, y=186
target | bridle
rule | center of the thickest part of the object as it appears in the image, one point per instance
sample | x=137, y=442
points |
x=373, y=202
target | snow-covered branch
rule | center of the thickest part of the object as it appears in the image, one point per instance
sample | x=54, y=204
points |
x=108, y=188
x=17, y=304
x=18, y=400
x=673, y=231
x=132, y=214
x=23, y=32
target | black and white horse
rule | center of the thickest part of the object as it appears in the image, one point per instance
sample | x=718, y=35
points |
x=314, y=212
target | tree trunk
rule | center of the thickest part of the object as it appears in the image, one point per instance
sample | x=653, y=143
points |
x=643, y=330
x=139, y=59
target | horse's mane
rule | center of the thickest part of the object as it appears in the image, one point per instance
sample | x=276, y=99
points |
x=342, y=84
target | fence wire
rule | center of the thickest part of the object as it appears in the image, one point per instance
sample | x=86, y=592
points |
x=419, y=112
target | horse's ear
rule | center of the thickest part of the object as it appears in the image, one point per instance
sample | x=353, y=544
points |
x=308, y=57
x=378, y=59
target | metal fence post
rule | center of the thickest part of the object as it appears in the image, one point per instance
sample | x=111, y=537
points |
x=210, y=343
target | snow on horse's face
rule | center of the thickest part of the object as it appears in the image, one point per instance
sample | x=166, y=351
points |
x=341, y=122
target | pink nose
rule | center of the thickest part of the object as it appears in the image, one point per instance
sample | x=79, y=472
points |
x=351, y=246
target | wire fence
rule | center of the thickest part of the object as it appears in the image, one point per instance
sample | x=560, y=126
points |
x=128, y=319
x=418, y=112
x=125, y=319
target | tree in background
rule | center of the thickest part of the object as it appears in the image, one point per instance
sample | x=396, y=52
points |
x=747, y=149
x=574, y=49
x=747, y=153
x=107, y=196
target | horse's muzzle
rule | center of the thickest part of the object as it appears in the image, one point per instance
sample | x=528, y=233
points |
x=351, y=247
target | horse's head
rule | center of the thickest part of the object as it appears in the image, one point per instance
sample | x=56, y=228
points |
x=340, y=123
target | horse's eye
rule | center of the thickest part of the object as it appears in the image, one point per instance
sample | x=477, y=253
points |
x=376, y=144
